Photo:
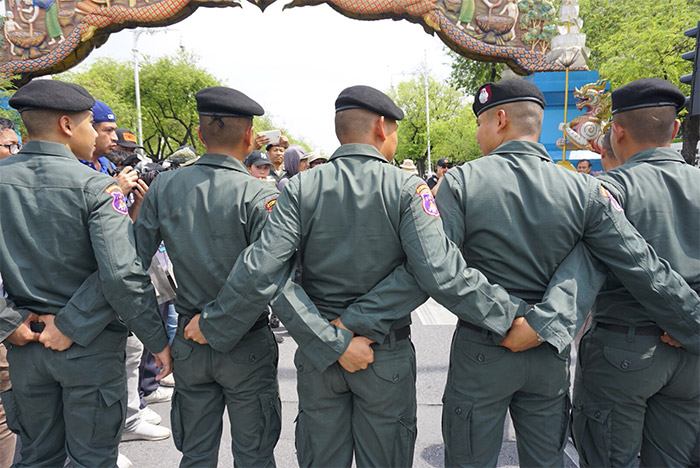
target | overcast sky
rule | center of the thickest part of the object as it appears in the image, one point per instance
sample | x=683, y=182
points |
x=293, y=62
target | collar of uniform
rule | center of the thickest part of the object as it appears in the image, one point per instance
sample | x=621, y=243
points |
x=529, y=148
x=357, y=149
x=656, y=154
x=47, y=148
x=221, y=160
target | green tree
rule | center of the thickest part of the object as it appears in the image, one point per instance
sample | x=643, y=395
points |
x=452, y=132
x=537, y=20
x=169, y=111
x=641, y=39
x=468, y=75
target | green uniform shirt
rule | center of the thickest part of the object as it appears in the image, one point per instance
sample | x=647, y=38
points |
x=65, y=239
x=516, y=216
x=661, y=197
x=207, y=214
x=362, y=229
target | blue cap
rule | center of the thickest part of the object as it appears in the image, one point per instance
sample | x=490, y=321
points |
x=102, y=113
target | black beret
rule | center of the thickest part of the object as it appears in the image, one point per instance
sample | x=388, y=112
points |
x=647, y=92
x=503, y=92
x=226, y=102
x=366, y=97
x=53, y=95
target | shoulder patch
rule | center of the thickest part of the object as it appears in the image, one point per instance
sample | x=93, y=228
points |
x=613, y=202
x=428, y=202
x=118, y=199
x=270, y=204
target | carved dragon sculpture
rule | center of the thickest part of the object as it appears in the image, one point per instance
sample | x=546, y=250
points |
x=586, y=131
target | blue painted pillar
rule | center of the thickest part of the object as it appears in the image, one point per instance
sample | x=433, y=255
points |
x=552, y=85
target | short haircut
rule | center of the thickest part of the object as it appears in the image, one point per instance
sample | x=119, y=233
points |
x=355, y=124
x=6, y=124
x=525, y=116
x=584, y=160
x=42, y=122
x=607, y=145
x=224, y=130
x=649, y=125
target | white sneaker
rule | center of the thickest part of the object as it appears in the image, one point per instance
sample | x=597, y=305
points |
x=123, y=462
x=150, y=416
x=146, y=431
x=161, y=395
x=167, y=381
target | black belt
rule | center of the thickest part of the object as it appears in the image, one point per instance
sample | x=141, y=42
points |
x=399, y=334
x=651, y=330
x=182, y=321
x=471, y=326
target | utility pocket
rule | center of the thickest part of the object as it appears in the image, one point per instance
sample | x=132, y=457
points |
x=12, y=412
x=393, y=370
x=480, y=353
x=109, y=414
x=405, y=441
x=592, y=428
x=271, y=407
x=629, y=361
x=456, y=429
x=176, y=421
x=302, y=441
x=181, y=349
x=251, y=349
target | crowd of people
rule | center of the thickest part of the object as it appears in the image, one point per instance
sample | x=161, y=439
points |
x=116, y=272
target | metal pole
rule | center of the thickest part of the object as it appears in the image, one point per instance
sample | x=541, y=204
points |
x=137, y=86
x=427, y=107
x=566, y=108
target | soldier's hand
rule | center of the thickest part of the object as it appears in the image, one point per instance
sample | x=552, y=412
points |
x=139, y=192
x=164, y=362
x=261, y=140
x=24, y=333
x=520, y=336
x=339, y=324
x=358, y=355
x=192, y=331
x=127, y=179
x=668, y=339
x=51, y=336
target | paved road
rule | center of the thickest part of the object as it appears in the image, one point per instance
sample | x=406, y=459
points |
x=431, y=333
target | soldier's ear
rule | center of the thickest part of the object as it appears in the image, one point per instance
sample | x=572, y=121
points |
x=676, y=127
x=66, y=125
x=199, y=134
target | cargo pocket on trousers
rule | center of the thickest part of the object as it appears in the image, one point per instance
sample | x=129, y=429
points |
x=592, y=427
x=302, y=441
x=110, y=414
x=456, y=430
x=176, y=421
x=12, y=412
x=272, y=422
x=406, y=441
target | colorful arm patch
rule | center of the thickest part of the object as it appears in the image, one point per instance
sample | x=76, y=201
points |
x=270, y=204
x=428, y=202
x=609, y=195
x=118, y=199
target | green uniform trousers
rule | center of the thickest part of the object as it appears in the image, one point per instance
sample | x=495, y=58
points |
x=635, y=393
x=244, y=381
x=372, y=411
x=484, y=381
x=73, y=403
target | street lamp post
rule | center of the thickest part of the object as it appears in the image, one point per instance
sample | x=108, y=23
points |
x=135, y=50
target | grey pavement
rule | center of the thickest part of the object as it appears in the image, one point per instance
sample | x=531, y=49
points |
x=431, y=333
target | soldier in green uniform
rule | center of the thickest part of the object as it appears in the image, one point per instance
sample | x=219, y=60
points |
x=633, y=392
x=66, y=245
x=207, y=214
x=498, y=210
x=361, y=227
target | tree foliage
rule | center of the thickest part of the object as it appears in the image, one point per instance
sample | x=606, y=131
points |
x=168, y=108
x=640, y=39
x=452, y=124
x=468, y=75
x=537, y=20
